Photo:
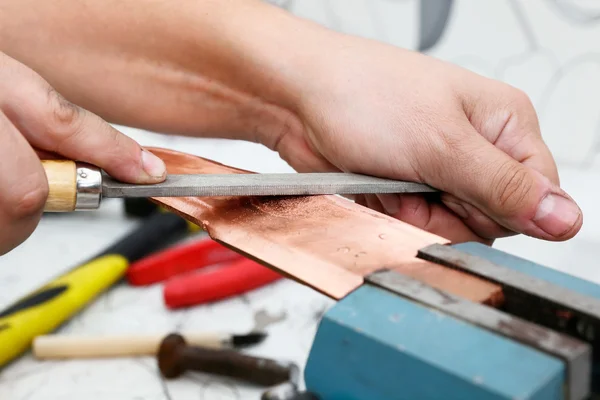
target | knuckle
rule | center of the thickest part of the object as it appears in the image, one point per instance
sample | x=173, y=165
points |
x=512, y=185
x=523, y=115
x=520, y=97
x=64, y=116
x=521, y=104
x=512, y=98
x=65, y=121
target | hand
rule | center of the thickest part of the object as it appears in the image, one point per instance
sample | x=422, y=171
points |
x=324, y=100
x=35, y=120
x=370, y=108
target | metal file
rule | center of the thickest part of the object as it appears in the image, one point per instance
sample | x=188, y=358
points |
x=80, y=186
x=282, y=184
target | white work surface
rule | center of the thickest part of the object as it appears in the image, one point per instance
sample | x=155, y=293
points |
x=546, y=49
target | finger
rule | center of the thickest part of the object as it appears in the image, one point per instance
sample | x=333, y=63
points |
x=47, y=155
x=23, y=187
x=416, y=210
x=361, y=200
x=478, y=222
x=390, y=202
x=50, y=122
x=517, y=197
x=537, y=158
x=507, y=118
x=373, y=203
x=413, y=209
x=73, y=132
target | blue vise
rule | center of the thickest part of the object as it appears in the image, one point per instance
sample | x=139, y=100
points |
x=396, y=338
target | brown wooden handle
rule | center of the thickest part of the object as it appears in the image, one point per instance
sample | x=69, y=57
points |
x=62, y=180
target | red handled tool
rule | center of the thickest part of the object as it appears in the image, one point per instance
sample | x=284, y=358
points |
x=234, y=279
x=178, y=260
x=190, y=281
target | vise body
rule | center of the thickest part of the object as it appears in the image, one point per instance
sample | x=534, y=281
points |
x=396, y=338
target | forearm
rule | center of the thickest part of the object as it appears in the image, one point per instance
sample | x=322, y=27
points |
x=228, y=68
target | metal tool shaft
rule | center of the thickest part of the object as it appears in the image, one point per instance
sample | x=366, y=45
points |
x=282, y=184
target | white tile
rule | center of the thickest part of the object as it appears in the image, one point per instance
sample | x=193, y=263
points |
x=483, y=31
x=569, y=114
x=567, y=27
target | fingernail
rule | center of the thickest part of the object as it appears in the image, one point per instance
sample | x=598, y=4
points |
x=390, y=202
x=458, y=209
x=556, y=215
x=154, y=166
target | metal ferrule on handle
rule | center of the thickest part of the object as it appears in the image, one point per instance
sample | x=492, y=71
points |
x=89, y=187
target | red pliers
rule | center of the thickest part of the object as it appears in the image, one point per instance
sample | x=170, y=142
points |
x=190, y=281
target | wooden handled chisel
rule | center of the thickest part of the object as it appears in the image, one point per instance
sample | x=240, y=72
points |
x=79, y=186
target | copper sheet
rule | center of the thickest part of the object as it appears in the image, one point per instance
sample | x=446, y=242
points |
x=326, y=242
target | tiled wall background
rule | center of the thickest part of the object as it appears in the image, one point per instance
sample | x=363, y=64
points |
x=549, y=48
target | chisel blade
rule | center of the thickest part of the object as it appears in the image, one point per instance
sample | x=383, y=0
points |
x=278, y=184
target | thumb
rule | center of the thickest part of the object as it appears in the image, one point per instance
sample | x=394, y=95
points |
x=68, y=130
x=51, y=123
x=513, y=195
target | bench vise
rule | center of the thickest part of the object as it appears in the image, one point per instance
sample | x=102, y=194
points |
x=396, y=338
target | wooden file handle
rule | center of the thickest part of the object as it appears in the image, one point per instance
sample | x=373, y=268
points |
x=62, y=182
x=72, y=186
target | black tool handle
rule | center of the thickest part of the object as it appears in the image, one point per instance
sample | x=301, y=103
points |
x=157, y=231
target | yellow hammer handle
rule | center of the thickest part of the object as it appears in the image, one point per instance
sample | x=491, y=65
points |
x=72, y=186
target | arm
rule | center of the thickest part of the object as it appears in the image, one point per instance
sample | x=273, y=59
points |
x=325, y=101
x=224, y=68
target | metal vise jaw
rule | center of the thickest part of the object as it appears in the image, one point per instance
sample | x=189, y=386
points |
x=397, y=338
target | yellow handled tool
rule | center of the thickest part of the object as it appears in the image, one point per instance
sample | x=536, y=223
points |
x=52, y=304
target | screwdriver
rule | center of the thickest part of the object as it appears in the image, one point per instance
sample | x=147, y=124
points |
x=80, y=186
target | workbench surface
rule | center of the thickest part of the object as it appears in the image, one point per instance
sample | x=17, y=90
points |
x=287, y=310
x=524, y=43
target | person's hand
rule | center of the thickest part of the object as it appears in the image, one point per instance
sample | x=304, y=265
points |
x=323, y=100
x=370, y=108
x=36, y=121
